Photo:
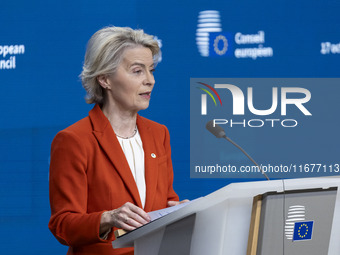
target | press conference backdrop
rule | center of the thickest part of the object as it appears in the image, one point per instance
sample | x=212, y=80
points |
x=42, y=44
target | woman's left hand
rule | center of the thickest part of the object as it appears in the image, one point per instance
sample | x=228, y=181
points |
x=173, y=203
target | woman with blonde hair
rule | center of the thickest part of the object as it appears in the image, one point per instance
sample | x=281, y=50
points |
x=110, y=168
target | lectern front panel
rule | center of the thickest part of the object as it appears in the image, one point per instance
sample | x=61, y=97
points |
x=296, y=222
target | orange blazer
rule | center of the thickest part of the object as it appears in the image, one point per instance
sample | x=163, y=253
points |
x=89, y=174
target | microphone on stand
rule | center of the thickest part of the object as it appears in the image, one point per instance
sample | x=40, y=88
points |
x=219, y=132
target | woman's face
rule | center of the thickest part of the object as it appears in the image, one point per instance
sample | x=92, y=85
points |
x=133, y=81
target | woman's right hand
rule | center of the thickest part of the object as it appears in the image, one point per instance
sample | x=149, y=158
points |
x=127, y=217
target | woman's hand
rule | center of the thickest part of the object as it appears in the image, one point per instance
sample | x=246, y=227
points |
x=173, y=203
x=127, y=217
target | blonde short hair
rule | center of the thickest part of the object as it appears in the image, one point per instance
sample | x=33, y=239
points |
x=104, y=53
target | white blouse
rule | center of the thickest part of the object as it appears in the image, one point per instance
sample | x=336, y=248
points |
x=134, y=153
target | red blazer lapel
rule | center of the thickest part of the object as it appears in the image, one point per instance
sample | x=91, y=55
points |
x=105, y=136
x=151, y=162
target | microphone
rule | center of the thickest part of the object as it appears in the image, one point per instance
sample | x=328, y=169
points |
x=219, y=132
x=216, y=130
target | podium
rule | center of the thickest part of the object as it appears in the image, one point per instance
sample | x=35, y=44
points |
x=227, y=221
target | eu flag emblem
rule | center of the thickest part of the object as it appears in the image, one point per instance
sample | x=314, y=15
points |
x=220, y=44
x=303, y=230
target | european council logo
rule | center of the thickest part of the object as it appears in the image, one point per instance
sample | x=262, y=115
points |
x=220, y=44
x=303, y=230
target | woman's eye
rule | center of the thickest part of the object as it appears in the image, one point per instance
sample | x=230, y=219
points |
x=137, y=71
x=152, y=70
